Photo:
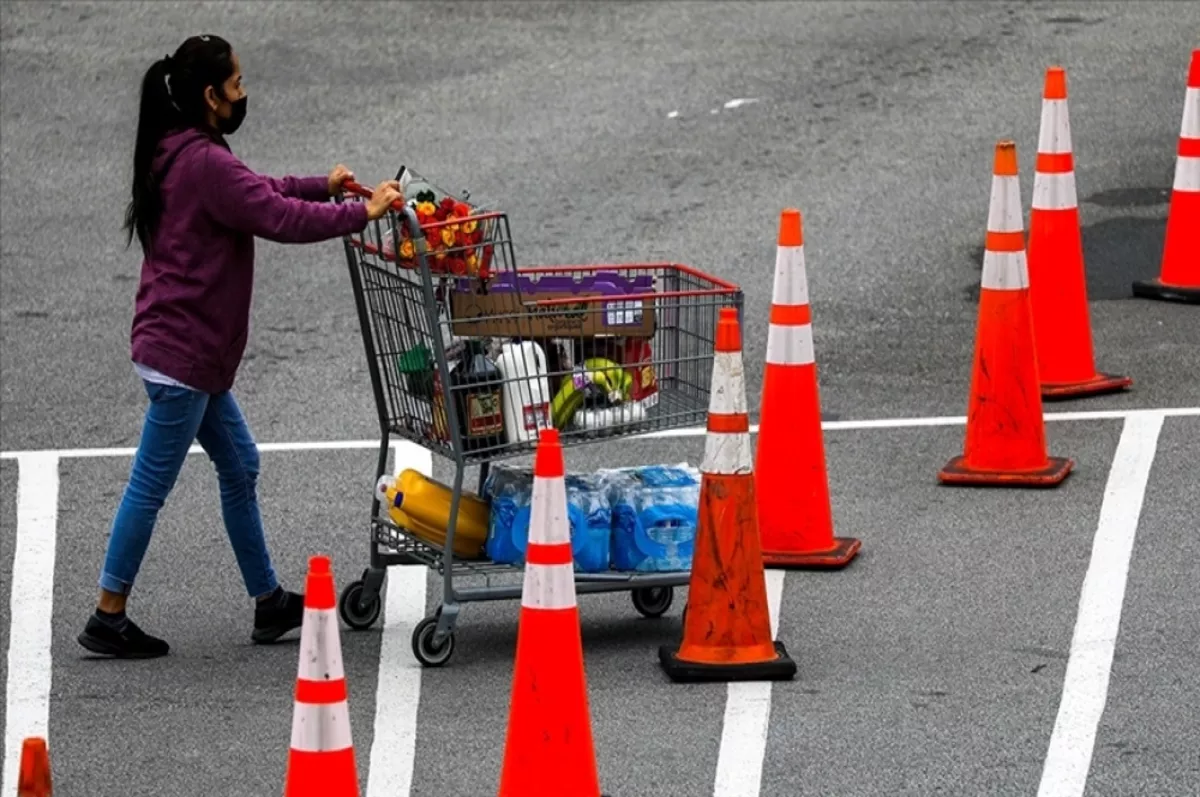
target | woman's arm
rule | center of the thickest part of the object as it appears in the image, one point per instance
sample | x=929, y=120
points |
x=243, y=200
x=312, y=189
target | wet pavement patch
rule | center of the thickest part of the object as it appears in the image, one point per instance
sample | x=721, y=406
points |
x=970, y=292
x=1072, y=19
x=1118, y=251
x=1130, y=197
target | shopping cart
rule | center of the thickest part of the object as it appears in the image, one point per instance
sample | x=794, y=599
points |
x=469, y=356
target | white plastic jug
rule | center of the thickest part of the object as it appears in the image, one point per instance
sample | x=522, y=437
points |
x=526, y=389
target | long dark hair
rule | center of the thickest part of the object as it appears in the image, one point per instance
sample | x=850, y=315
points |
x=172, y=98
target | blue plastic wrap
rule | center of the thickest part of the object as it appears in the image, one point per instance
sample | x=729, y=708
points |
x=511, y=493
x=654, y=516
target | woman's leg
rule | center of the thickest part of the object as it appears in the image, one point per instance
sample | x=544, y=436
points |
x=226, y=437
x=172, y=420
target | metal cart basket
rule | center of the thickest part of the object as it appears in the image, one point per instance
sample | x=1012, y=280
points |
x=469, y=356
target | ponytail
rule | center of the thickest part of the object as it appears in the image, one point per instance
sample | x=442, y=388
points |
x=156, y=115
x=172, y=98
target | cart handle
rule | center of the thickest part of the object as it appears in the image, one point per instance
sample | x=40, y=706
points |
x=398, y=206
x=361, y=190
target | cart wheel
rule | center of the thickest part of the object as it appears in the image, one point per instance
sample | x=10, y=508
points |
x=653, y=601
x=353, y=613
x=422, y=644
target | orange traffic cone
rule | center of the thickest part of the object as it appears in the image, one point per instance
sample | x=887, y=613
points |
x=727, y=623
x=1179, y=275
x=1057, y=286
x=34, y=780
x=548, y=748
x=321, y=762
x=794, y=514
x=1006, y=433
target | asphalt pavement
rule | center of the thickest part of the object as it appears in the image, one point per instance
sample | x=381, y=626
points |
x=935, y=664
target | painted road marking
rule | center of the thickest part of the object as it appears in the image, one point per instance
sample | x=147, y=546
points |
x=393, y=748
x=27, y=696
x=398, y=693
x=94, y=453
x=747, y=720
x=693, y=431
x=1085, y=685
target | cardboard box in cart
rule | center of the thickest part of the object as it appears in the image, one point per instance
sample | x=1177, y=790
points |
x=505, y=306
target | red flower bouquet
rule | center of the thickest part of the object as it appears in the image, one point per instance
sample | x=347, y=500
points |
x=457, y=237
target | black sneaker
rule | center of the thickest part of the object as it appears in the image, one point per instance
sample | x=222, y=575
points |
x=120, y=637
x=277, y=615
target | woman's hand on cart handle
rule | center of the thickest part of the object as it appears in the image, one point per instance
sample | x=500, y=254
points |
x=338, y=177
x=386, y=195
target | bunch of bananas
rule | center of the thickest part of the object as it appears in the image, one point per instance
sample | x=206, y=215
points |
x=598, y=381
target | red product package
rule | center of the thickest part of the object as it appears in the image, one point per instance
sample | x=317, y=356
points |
x=638, y=361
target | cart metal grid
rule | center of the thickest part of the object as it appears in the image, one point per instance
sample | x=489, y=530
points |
x=431, y=300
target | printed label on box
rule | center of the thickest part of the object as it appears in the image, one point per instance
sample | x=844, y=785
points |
x=623, y=314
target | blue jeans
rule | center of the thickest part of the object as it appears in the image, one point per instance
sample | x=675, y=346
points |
x=177, y=416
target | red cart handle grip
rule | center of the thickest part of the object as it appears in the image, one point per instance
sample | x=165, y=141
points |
x=355, y=188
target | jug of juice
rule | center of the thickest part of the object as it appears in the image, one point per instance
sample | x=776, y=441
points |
x=422, y=506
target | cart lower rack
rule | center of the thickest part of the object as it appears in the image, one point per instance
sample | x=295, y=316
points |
x=470, y=357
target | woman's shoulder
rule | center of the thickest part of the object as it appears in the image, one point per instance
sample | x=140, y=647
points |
x=192, y=144
x=202, y=158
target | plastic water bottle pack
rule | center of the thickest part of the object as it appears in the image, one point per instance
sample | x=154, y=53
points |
x=654, y=511
x=640, y=519
x=511, y=493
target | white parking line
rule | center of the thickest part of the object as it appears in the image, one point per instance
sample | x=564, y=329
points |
x=693, y=431
x=1085, y=685
x=27, y=696
x=398, y=695
x=747, y=714
x=747, y=720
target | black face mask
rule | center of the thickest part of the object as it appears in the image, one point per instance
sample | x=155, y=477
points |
x=230, y=125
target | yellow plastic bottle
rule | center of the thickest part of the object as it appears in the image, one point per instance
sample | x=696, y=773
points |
x=422, y=506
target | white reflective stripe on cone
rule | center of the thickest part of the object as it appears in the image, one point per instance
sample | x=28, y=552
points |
x=548, y=522
x=321, y=728
x=320, y=646
x=728, y=384
x=1054, y=136
x=790, y=345
x=791, y=276
x=1191, y=115
x=727, y=454
x=1004, y=209
x=1054, y=191
x=549, y=586
x=1187, y=174
x=1004, y=271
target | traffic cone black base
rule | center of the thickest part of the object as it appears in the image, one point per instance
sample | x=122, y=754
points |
x=780, y=669
x=1157, y=289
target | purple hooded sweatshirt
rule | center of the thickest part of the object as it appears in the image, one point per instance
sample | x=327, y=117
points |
x=192, y=313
